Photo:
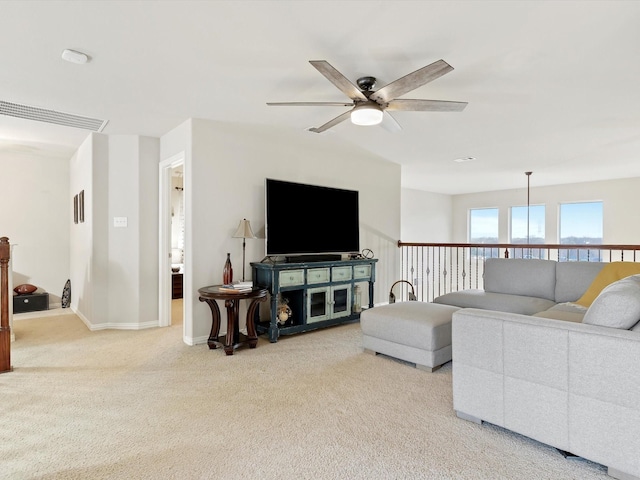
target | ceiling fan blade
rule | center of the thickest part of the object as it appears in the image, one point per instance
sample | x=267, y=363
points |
x=339, y=80
x=331, y=123
x=310, y=104
x=408, y=105
x=411, y=81
x=389, y=123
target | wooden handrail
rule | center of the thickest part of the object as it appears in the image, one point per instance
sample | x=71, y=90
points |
x=5, y=329
x=533, y=246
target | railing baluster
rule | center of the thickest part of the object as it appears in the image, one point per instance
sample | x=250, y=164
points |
x=431, y=267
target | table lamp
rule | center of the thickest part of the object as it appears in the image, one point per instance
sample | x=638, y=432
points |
x=244, y=231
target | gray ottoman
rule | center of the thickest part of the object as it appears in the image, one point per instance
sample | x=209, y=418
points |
x=416, y=332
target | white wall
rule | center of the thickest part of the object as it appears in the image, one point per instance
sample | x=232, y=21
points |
x=133, y=250
x=619, y=197
x=37, y=210
x=114, y=271
x=88, y=270
x=225, y=168
x=426, y=217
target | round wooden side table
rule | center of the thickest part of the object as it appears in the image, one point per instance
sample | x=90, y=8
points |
x=233, y=338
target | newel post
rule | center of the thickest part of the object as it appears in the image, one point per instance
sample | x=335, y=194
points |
x=5, y=329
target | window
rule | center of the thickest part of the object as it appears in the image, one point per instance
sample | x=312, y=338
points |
x=483, y=225
x=519, y=231
x=520, y=234
x=483, y=228
x=581, y=224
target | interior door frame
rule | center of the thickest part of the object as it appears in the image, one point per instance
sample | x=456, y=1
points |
x=164, y=262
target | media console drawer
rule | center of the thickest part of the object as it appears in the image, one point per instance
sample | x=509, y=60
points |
x=318, y=275
x=290, y=278
x=362, y=271
x=31, y=302
x=340, y=273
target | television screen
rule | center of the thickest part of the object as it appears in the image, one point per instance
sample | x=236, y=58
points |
x=306, y=219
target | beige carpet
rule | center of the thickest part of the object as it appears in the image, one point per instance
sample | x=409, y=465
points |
x=143, y=405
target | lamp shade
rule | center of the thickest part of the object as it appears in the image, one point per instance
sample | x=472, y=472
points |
x=367, y=114
x=244, y=230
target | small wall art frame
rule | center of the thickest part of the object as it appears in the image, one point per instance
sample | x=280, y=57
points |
x=81, y=206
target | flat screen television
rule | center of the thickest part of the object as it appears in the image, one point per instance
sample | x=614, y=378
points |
x=308, y=220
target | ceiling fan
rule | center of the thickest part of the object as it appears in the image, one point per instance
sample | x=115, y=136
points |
x=372, y=107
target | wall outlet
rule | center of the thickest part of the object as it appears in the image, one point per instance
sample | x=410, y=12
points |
x=119, y=221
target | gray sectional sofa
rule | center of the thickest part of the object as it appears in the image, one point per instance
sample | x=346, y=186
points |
x=528, y=359
x=528, y=287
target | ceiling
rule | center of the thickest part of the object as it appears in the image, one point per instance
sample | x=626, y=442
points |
x=553, y=87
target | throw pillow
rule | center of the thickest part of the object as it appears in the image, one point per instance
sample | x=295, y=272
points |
x=610, y=273
x=617, y=306
x=636, y=328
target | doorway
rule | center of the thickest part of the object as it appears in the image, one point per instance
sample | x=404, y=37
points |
x=171, y=309
x=177, y=244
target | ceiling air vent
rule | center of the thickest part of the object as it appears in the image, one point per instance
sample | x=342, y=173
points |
x=51, y=116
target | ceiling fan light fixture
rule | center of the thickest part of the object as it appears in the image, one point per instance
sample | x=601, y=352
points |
x=366, y=115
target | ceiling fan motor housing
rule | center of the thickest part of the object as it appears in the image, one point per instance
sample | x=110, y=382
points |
x=366, y=84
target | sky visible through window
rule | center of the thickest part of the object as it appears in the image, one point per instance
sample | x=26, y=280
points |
x=580, y=223
x=483, y=225
x=581, y=220
x=519, y=224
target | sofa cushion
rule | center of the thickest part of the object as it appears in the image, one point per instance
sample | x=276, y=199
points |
x=416, y=324
x=502, y=302
x=517, y=276
x=636, y=328
x=610, y=273
x=574, y=278
x=617, y=306
x=568, y=312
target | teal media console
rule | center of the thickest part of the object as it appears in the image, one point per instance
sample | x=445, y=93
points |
x=319, y=294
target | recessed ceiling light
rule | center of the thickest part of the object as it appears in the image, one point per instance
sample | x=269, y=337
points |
x=74, y=57
x=465, y=159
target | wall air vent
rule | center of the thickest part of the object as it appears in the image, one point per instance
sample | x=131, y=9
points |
x=51, y=116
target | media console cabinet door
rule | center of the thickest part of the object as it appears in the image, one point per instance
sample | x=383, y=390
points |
x=324, y=303
x=341, y=301
x=318, y=304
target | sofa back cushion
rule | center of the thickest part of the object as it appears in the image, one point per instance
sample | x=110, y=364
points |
x=516, y=276
x=617, y=306
x=574, y=278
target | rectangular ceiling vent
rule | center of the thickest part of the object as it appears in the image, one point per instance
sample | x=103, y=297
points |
x=51, y=116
